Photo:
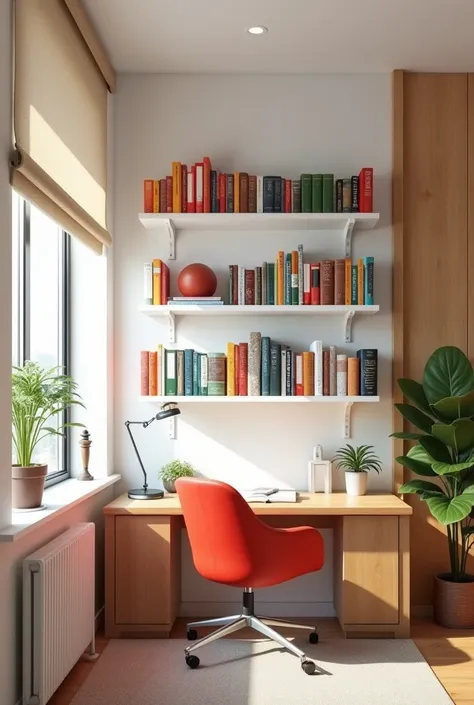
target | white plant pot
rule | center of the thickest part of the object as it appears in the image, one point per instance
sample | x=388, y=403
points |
x=356, y=483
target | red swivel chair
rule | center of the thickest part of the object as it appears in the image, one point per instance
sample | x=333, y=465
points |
x=232, y=546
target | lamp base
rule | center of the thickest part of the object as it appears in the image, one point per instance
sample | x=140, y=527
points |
x=146, y=494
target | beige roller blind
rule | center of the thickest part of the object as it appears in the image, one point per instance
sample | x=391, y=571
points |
x=60, y=121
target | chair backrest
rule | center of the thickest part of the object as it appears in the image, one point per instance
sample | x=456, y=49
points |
x=223, y=530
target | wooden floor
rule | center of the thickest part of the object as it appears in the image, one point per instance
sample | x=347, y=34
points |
x=449, y=653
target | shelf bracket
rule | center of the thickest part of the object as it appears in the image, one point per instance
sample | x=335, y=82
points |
x=348, y=326
x=171, y=327
x=347, y=419
x=349, y=227
x=172, y=428
x=171, y=238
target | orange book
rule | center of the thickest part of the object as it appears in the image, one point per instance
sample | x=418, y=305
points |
x=148, y=189
x=231, y=369
x=360, y=282
x=165, y=283
x=236, y=192
x=156, y=282
x=206, y=185
x=156, y=196
x=237, y=370
x=353, y=367
x=348, y=281
x=152, y=373
x=281, y=278
x=308, y=374
x=177, y=181
x=144, y=373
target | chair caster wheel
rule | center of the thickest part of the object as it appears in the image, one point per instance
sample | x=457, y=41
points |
x=308, y=667
x=313, y=638
x=192, y=661
x=192, y=634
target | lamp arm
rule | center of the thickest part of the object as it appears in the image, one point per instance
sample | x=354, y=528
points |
x=144, y=424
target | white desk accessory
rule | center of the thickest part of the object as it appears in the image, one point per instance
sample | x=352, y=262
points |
x=319, y=472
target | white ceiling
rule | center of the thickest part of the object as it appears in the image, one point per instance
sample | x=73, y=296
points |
x=304, y=36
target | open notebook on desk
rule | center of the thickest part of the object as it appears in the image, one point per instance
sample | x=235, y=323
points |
x=268, y=494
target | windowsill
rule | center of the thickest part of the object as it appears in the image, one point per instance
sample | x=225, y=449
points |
x=57, y=499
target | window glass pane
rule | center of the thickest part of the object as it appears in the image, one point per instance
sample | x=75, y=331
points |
x=16, y=241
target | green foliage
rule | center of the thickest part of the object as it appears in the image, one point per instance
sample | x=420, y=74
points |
x=442, y=411
x=38, y=396
x=358, y=459
x=176, y=468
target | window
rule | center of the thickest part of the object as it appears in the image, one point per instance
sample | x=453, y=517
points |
x=41, y=276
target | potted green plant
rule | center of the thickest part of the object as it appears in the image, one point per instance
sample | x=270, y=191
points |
x=441, y=409
x=171, y=471
x=38, y=397
x=356, y=463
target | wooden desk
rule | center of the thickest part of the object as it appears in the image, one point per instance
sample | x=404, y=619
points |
x=371, y=561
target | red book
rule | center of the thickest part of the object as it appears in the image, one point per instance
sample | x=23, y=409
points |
x=249, y=287
x=165, y=283
x=235, y=284
x=315, y=290
x=222, y=193
x=366, y=183
x=144, y=373
x=299, y=389
x=169, y=194
x=287, y=199
x=199, y=167
x=237, y=370
x=184, y=188
x=206, y=186
x=163, y=196
x=191, y=190
x=243, y=368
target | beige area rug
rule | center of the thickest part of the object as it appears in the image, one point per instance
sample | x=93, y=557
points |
x=244, y=672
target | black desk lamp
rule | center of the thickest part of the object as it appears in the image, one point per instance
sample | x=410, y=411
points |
x=167, y=411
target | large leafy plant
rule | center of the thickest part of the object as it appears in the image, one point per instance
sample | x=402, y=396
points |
x=441, y=408
x=38, y=397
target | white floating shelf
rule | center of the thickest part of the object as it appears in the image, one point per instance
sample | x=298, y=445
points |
x=346, y=401
x=342, y=222
x=170, y=312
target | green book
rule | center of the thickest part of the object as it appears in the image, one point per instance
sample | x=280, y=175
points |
x=306, y=193
x=275, y=369
x=317, y=186
x=288, y=300
x=354, y=290
x=271, y=283
x=328, y=193
x=171, y=385
x=195, y=374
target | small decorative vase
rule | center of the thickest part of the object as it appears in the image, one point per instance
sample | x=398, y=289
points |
x=356, y=483
x=28, y=486
x=454, y=602
x=169, y=486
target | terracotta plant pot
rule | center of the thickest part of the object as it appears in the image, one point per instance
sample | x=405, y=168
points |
x=28, y=486
x=356, y=483
x=169, y=485
x=454, y=602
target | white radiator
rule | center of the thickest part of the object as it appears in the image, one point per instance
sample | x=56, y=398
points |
x=58, y=610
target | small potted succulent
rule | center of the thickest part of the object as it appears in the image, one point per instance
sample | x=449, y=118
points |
x=172, y=471
x=38, y=397
x=356, y=463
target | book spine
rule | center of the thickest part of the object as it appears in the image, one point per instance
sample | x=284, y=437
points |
x=176, y=175
x=203, y=371
x=306, y=193
x=317, y=348
x=268, y=194
x=277, y=194
x=170, y=373
x=296, y=196
x=199, y=187
x=300, y=276
x=327, y=282
x=315, y=292
x=169, y=194
x=195, y=374
x=368, y=372
x=230, y=370
x=317, y=182
x=249, y=296
x=341, y=375
x=271, y=284
x=244, y=192
x=252, y=194
x=188, y=373
x=206, y=185
x=291, y=279
x=180, y=372
x=264, y=284
x=254, y=364
x=299, y=389
x=354, y=277
x=355, y=194
x=214, y=192
x=231, y=284
x=165, y=283
x=366, y=178
x=184, y=188
x=275, y=369
x=308, y=373
x=326, y=373
x=148, y=188
x=284, y=353
x=241, y=280
x=339, y=282
x=288, y=193
x=190, y=190
x=289, y=373
x=243, y=369
x=265, y=366
x=332, y=371
x=259, y=194
x=360, y=282
x=230, y=193
x=222, y=193
x=353, y=384
x=280, y=274
x=148, y=283
x=163, y=196
x=236, y=192
x=160, y=377
x=216, y=369
x=306, y=283
x=144, y=373
x=369, y=281
x=328, y=193
x=346, y=196
x=156, y=282
x=339, y=196
x=347, y=281
x=152, y=373
x=258, y=286
x=156, y=196
x=235, y=286
x=237, y=370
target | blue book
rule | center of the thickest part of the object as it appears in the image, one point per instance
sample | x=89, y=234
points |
x=188, y=373
x=368, y=281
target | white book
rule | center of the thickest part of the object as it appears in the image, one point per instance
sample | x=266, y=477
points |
x=203, y=371
x=341, y=375
x=300, y=274
x=148, y=283
x=268, y=494
x=259, y=194
x=199, y=189
x=283, y=372
x=317, y=348
x=241, y=290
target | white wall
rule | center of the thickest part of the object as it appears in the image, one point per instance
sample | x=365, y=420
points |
x=260, y=124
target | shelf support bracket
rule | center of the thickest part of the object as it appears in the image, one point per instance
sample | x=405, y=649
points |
x=349, y=227
x=171, y=238
x=348, y=326
x=172, y=428
x=171, y=327
x=347, y=419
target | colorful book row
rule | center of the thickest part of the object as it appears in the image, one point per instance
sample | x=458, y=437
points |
x=201, y=189
x=259, y=367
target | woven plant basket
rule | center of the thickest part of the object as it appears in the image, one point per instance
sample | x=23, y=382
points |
x=454, y=602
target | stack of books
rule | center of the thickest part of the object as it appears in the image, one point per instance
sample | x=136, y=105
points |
x=200, y=188
x=195, y=300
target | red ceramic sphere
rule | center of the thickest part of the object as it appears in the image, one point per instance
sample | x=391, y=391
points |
x=197, y=280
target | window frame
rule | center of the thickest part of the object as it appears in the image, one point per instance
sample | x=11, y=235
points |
x=64, y=319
